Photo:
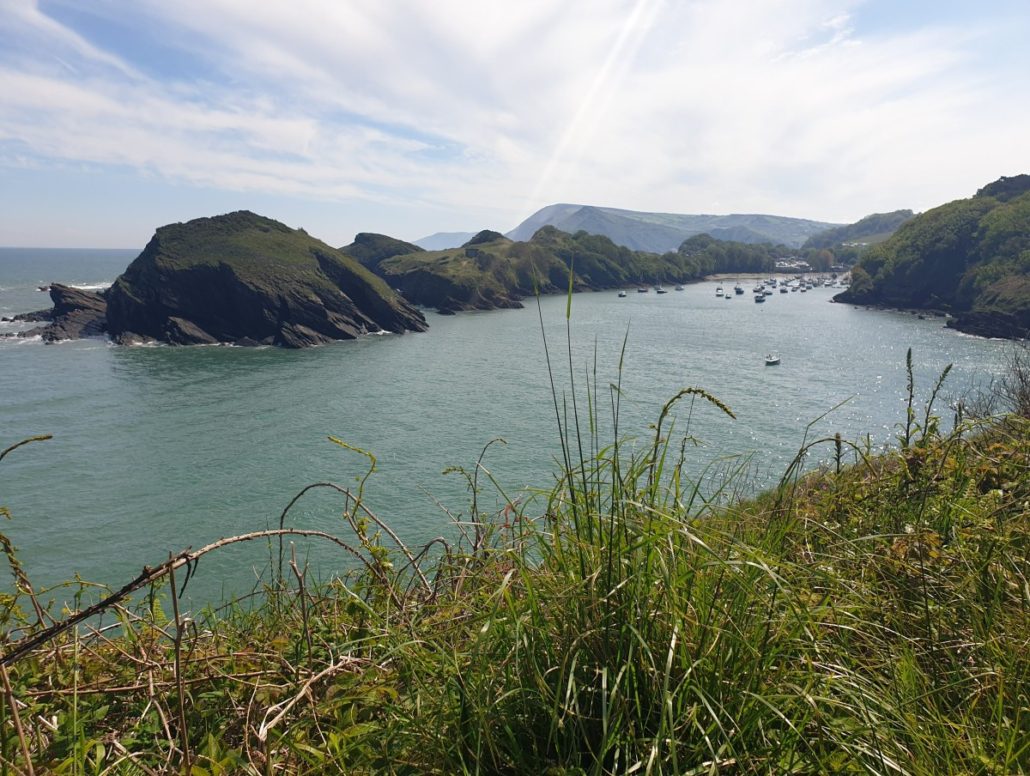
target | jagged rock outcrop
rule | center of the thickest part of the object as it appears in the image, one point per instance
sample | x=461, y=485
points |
x=76, y=314
x=245, y=279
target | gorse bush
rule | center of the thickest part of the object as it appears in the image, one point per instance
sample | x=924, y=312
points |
x=869, y=617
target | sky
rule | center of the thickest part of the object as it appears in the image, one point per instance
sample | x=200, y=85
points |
x=409, y=118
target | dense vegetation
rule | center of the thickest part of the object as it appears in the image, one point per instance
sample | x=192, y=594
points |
x=970, y=257
x=868, y=617
x=874, y=228
x=491, y=270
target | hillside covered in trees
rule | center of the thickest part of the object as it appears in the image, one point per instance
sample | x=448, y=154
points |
x=492, y=271
x=970, y=257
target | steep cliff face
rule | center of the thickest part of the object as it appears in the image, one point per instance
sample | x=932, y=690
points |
x=248, y=279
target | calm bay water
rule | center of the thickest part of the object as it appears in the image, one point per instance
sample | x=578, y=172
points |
x=156, y=449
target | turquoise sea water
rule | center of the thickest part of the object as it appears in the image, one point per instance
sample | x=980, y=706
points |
x=158, y=448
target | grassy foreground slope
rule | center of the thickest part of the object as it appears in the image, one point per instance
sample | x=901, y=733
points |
x=870, y=617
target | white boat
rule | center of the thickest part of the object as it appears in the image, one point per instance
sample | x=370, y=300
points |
x=771, y=359
x=679, y=288
x=759, y=297
x=719, y=291
x=767, y=292
x=783, y=290
x=660, y=290
x=622, y=294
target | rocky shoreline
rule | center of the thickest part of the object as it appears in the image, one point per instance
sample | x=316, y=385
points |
x=988, y=324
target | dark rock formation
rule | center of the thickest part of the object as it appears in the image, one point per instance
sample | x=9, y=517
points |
x=244, y=279
x=992, y=323
x=75, y=314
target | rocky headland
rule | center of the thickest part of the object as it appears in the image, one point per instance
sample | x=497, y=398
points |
x=238, y=278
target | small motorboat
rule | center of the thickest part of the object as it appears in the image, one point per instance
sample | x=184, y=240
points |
x=679, y=288
x=622, y=294
x=738, y=289
x=719, y=291
x=771, y=359
x=660, y=290
x=759, y=297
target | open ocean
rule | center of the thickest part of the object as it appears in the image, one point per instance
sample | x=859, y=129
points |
x=159, y=448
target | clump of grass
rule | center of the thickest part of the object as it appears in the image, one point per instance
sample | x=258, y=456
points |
x=871, y=617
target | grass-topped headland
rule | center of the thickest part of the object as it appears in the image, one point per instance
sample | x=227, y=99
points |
x=238, y=278
x=871, y=616
x=245, y=278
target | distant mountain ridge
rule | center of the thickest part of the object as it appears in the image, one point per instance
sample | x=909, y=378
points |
x=442, y=241
x=661, y=232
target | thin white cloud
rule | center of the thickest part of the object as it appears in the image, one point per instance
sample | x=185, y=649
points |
x=492, y=110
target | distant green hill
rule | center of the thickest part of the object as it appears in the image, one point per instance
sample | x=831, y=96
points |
x=660, y=232
x=491, y=271
x=874, y=228
x=970, y=257
x=371, y=249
